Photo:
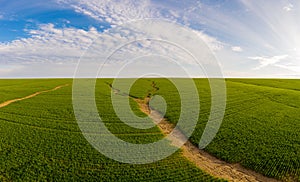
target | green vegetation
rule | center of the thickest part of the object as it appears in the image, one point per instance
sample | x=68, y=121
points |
x=41, y=141
x=17, y=88
x=261, y=126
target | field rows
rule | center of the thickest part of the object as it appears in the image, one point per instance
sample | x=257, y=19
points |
x=40, y=140
x=261, y=126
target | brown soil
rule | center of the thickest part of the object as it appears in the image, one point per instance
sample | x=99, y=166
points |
x=6, y=103
x=203, y=160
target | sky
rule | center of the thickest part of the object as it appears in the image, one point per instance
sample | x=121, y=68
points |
x=249, y=38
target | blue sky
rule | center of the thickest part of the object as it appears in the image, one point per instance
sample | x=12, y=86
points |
x=19, y=16
x=250, y=38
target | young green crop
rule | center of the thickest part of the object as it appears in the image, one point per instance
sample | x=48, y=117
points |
x=41, y=141
x=40, y=138
x=261, y=126
x=17, y=88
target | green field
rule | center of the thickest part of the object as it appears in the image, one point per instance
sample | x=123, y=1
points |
x=261, y=126
x=41, y=141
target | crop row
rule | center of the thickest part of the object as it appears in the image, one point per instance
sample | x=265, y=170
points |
x=41, y=141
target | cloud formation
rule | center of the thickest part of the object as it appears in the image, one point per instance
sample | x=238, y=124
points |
x=288, y=7
x=269, y=61
x=48, y=44
x=263, y=31
x=63, y=46
x=237, y=49
x=113, y=11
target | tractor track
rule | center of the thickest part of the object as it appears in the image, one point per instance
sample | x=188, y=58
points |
x=6, y=103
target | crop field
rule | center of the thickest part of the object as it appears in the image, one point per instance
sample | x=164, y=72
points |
x=41, y=140
x=261, y=125
x=17, y=88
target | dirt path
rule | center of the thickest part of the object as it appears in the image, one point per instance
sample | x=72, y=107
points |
x=203, y=160
x=6, y=103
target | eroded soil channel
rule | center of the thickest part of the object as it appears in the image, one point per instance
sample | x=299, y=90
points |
x=202, y=159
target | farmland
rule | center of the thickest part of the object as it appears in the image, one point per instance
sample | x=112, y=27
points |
x=261, y=126
x=41, y=141
x=40, y=138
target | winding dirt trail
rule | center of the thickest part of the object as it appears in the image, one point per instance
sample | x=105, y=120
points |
x=6, y=103
x=203, y=160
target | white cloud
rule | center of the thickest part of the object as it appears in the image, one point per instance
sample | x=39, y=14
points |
x=275, y=32
x=116, y=13
x=50, y=47
x=213, y=43
x=113, y=11
x=141, y=42
x=48, y=44
x=268, y=61
x=236, y=49
x=288, y=7
x=277, y=28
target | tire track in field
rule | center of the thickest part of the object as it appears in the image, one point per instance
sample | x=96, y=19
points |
x=74, y=131
x=6, y=103
x=202, y=159
x=264, y=86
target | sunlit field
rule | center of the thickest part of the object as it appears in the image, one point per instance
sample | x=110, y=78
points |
x=41, y=140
